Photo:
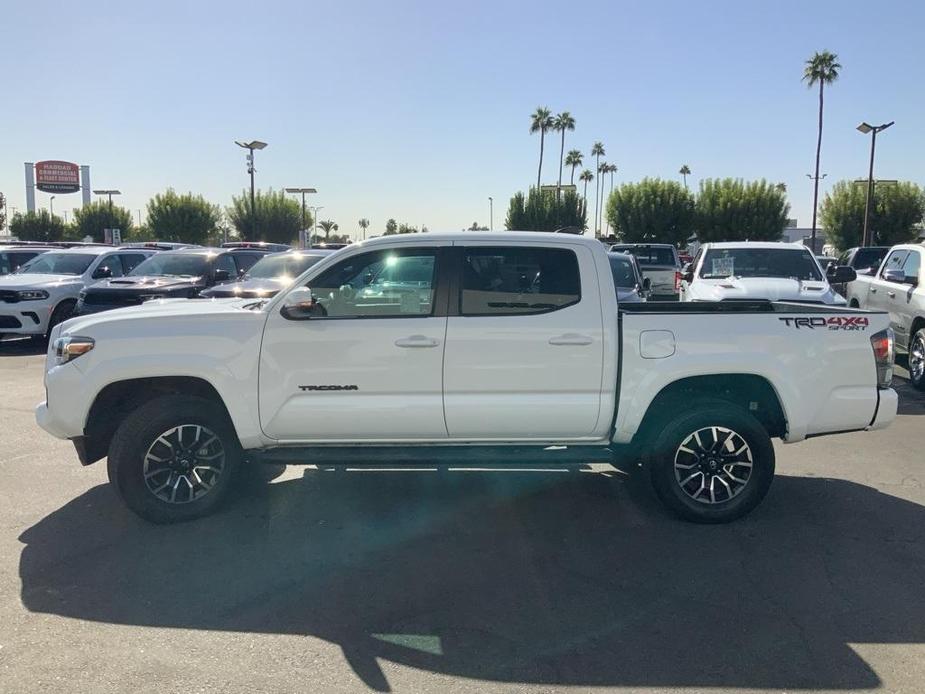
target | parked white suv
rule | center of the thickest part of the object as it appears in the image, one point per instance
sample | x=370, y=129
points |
x=431, y=348
x=44, y=291
x=896, y=288
x=760, y=270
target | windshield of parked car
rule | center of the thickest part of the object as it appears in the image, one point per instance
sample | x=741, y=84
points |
x=280, y=267
x=624, y=275
x=869, y=257
x=58, y=264
x=790, y=263
x=649, y=255
x=173, y=265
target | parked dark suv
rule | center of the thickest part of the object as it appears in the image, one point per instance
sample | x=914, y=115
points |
x=167, y=275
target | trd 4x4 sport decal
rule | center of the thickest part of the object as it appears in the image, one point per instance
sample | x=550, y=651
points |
x=833, y=323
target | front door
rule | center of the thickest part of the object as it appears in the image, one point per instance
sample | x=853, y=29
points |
x=878, y=289
x=524, y=354
x=371, y=367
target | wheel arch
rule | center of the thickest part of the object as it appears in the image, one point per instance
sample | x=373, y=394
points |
x=917, y=324
x=118, y=399
x=753, y=393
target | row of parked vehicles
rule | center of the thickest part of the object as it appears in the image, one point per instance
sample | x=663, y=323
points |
x=42, y=286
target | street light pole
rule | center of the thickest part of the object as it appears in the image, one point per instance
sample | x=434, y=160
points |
x=109, y=193
x=51, y=205
x=303, y=232
x=491, y=213
x=250, y=147
x=315, y=220
x=873, y=130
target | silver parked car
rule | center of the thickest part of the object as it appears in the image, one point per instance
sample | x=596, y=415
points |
x=627, y=279
x=658, y=262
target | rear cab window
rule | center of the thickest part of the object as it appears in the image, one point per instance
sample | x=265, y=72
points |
x=516, y=280
x=648, y=256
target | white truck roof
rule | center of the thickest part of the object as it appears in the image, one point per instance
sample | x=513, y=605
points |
x=756, y=244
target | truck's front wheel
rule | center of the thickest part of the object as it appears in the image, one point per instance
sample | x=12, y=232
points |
x=713, y=464
x=174, y=458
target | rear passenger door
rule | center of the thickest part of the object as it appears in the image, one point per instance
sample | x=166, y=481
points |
x=901, y=307
x=524, y=345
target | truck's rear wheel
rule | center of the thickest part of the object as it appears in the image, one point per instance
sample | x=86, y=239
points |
x=917, y=359
x=174, y=458
x=712, y=465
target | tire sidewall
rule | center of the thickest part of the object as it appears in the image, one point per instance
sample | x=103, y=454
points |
x=137, y=433
x=665, y=447
x=920, y=382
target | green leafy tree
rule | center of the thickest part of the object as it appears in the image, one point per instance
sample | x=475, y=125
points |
x=188, y=218
x=37, y=226
x=3, y=215
x=573, y=159
x=404, y=228
x=733, y=210
x=653, y=211
x=895, y=211
x=90, y=220
x=821, y=69
x=475, y=227
x=685, y=171
x=540, y=122
x=275, y=217
x=391, y=227
x=562, y=122
x=545, y=211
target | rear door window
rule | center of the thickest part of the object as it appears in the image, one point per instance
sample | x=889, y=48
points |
x=518, y=280
x=912, y=264
x=895, y=261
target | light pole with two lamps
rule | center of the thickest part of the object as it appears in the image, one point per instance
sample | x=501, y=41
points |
x=250, y=147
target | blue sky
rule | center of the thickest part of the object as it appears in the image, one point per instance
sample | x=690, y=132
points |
x=420, y=110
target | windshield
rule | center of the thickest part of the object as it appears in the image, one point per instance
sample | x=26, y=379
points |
x=624, y=275
x=649, y=255
x=58, y=264
x=282, y=266
x=173, y=265
x=790, y=263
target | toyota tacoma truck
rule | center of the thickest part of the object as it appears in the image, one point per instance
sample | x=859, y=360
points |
x=461, y=347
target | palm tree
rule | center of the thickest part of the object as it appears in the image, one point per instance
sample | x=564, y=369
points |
x=597, y=151
x=611, y=169
x=586, y=176
x=685, y=172
x=540, y=122
x=564, y=121
x=573, y=159
x=821, y=69
x=327, y=226
x=602, y=169
x=364, y=224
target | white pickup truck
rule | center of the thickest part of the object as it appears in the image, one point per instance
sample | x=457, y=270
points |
x=460, y=347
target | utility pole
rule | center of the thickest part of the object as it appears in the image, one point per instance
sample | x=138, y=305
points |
x=873, y=130
x=491, y=213
x=303, y=232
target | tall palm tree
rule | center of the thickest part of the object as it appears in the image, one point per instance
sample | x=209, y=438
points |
x=821, y=69
x=597, y=151
x=540, y=122
x=564, y=121
x=685, y=172
x=586, y=176
x=327, y=226
x=573, y=159
x=364, y=224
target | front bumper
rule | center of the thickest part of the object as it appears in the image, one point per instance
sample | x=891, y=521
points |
x=24, y=319
x=886, y=409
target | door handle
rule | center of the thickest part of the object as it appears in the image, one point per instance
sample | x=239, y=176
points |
x=892, y=295
x=873, y=290
x=571, y=339
x=417, y=341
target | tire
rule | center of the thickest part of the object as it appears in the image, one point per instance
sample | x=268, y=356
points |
x=686, y=452
x=917, y=359
x=156, y=471
x=62, y=312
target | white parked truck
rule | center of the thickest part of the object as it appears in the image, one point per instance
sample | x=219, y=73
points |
x=428, y=348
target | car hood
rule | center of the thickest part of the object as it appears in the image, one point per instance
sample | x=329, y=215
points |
x=259, y=287
x=158, y=310
x=771, y=288
x=146, y=283
x=37, y=280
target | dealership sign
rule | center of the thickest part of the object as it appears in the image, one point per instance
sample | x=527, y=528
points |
x=57, y=176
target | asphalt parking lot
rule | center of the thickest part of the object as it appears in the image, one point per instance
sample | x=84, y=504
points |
x=425, y=581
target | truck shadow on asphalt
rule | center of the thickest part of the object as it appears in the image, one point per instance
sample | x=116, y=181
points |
x=20, y=347
x=563, y=578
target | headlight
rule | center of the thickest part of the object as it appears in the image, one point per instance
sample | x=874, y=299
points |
x=69, y=348
x=33, y=295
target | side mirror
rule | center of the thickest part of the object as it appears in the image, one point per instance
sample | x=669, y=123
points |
x=687, y=272
x=646, y=284
x=894, y=275
x=102, y=273
x=221, y=275
x=841, y=274
x=300, y=304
